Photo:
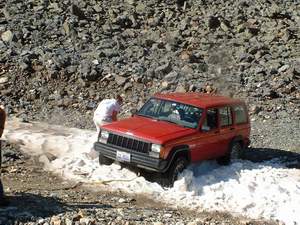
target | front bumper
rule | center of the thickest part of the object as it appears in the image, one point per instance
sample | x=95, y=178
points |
x=138, y=159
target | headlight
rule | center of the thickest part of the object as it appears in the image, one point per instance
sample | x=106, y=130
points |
x=103, y=136
x=156, y=148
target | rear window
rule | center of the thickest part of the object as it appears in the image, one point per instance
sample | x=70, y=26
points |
x=240, y=114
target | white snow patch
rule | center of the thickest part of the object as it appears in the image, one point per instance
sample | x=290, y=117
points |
x=257, y=190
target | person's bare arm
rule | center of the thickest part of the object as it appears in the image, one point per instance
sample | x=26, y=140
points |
x=114, y=116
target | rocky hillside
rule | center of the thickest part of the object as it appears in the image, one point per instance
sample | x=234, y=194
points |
x=60, y=58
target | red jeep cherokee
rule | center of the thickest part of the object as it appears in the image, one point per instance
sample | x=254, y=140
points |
x=173, y=130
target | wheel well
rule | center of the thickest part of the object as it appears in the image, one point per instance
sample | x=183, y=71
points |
x=181, y=151
x=178, y=151
x=238, y=139
x=242, y=143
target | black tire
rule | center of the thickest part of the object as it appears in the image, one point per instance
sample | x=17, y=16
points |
x=104, y=160
x=168, y=178
x=235, y=152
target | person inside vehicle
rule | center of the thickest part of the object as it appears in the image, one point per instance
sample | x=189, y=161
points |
x=3, y=200
x=107, y=111
x=174, y=112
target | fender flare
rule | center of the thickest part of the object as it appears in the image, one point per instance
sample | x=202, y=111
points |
x=175, y=152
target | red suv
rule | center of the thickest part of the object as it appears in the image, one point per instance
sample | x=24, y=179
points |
x=173, y=130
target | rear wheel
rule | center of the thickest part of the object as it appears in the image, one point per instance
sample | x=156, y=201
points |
x=235, y=152
x=104, y=160
x=168, y=178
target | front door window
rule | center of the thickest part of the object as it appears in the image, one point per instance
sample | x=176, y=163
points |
x=211, y=120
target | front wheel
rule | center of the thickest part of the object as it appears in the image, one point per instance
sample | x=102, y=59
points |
x=104, y=160
x=168, y=178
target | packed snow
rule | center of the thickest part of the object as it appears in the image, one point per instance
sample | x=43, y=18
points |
x=267, y=190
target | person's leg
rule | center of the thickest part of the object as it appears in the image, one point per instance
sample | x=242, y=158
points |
x=3, y=200
x=1, y=190
x=96, y=122
x=99, y=123
x=93, y=154
x=1, y=186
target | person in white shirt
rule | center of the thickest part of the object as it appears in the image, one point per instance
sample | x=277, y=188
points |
x=107, y=111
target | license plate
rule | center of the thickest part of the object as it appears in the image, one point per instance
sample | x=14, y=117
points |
x=123, y=156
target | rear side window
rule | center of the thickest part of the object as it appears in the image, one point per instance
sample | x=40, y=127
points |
x=240, y=114
x=225, y=116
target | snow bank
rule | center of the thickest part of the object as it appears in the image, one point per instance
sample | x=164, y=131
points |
x=265, y=190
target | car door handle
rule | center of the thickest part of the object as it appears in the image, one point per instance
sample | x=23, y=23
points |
x=232, y=128
x=217, y=131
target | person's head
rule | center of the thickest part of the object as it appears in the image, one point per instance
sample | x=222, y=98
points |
x=119, y=99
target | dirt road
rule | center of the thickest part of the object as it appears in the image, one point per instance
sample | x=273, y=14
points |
x=39, y=197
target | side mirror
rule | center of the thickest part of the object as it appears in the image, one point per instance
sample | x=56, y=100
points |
x=133, y=111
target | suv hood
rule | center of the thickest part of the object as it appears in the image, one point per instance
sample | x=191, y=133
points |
x=148, y=129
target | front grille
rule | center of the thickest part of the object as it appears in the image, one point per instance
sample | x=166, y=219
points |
x=129, y=143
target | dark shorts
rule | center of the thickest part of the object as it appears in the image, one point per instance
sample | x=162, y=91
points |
x=1, y=190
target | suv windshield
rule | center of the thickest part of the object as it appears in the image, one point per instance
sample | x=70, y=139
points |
x=172, y=112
